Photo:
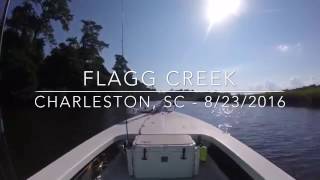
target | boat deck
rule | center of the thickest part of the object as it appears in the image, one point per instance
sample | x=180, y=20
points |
x=117, y=170
x=246, y=159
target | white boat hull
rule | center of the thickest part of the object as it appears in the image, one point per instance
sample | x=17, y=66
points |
x=250, y=161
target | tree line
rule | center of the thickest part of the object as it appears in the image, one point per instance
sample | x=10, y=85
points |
x=25, y=66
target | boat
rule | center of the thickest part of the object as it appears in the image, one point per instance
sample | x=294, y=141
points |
x=162, y=145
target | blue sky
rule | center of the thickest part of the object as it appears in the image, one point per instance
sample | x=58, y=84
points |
x=271, y=44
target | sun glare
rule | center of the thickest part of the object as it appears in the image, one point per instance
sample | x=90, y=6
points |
x=220, y=10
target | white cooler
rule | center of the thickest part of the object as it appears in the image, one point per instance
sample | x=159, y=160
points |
x=163, y=156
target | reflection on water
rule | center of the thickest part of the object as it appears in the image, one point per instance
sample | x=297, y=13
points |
x=289, y=137
x=225, y=127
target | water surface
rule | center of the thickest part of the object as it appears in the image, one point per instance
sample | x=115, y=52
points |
x=288, y=137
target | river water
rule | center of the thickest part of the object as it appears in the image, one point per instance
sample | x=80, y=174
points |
x=288, y=137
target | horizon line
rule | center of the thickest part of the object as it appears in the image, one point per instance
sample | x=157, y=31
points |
x=159, y=91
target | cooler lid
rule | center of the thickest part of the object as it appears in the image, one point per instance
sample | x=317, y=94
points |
x=163, y=139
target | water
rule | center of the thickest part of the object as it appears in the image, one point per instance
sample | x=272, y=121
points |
x=289, y=137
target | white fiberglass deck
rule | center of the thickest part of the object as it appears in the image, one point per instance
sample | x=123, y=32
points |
x=162, y=123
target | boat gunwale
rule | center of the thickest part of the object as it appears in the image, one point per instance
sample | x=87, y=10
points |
x=72, y=162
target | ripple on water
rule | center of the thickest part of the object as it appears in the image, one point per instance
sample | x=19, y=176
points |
x=288, y=137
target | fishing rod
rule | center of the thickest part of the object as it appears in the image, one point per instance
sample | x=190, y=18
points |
x=122, y=54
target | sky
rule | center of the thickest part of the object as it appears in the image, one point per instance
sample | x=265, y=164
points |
x=271, y=44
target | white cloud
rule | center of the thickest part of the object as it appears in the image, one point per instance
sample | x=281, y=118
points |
x=296, y=82
x=290, y=83
x=272, y=86
x=285, y=47
x=266, y=86
x=314, y=80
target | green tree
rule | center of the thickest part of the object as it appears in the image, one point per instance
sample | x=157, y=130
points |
x=24, y=39
x=63, y=69
x=91, y=46
x=38, y=24
x=120, y=66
